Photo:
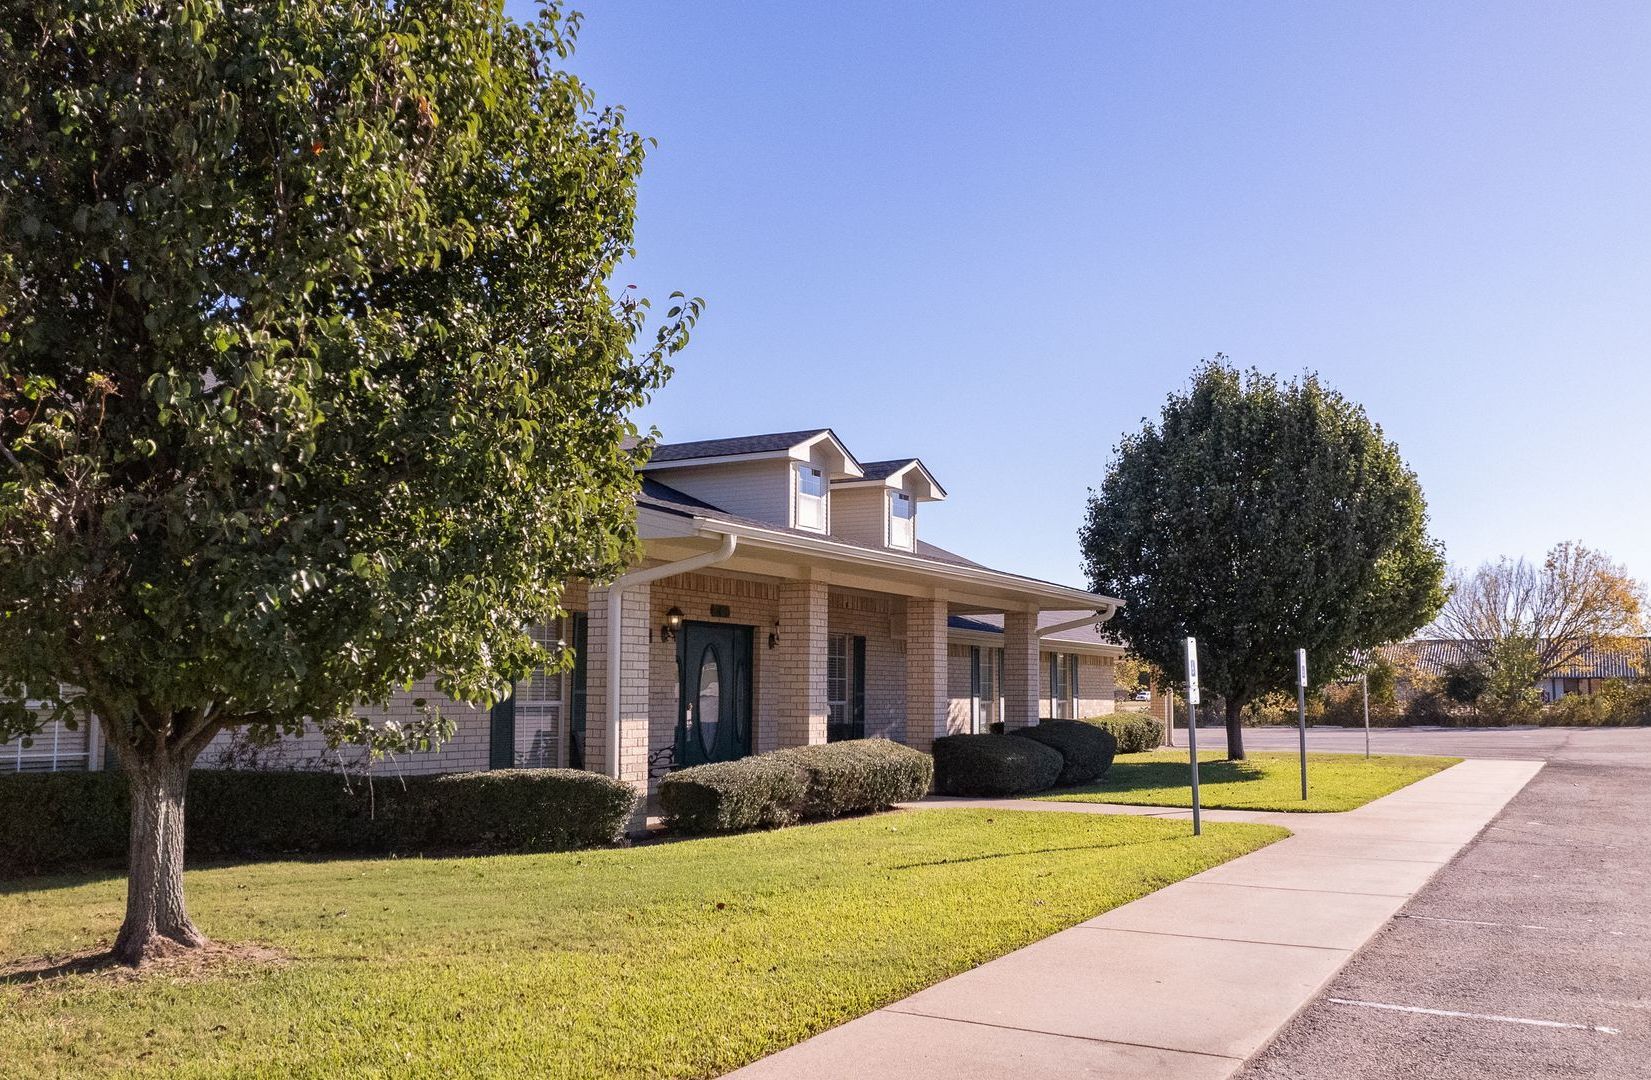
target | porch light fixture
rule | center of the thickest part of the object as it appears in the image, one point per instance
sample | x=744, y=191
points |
x=774, y=635
x=673, y=623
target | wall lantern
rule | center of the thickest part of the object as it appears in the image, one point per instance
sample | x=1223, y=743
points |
x=673, y=623
x=774, y=635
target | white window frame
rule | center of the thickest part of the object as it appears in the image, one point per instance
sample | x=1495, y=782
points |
x=816, y=504
x=541, y=704
x=1063, y=686
x=839, y=684
x=902, y=531
x=986, y=696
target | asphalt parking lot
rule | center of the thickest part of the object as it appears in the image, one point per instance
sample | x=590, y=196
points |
x=1528, y=956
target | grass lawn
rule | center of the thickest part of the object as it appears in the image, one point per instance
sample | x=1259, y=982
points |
x=672, y=960
x=1264, y=781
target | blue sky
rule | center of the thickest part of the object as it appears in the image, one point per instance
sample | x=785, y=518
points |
x=996, y=235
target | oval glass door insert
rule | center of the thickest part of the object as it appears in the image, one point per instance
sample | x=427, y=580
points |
x=708, y=709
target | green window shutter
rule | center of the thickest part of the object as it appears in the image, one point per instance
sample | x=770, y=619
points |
x=1054, y=684
x=857, y=706
x=501, y=734
x=577, y=696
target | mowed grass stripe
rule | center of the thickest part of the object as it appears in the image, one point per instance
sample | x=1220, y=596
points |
x=674, y=960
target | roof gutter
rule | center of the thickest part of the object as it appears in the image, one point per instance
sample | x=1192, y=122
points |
x=615, y=642
x=896, y=560
x=1077, y=624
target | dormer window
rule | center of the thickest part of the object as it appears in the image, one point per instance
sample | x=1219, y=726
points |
x=902, y=520
x=811, y=498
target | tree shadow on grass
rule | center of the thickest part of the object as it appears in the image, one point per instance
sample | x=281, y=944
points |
x=984, y=856
x=1147, y=776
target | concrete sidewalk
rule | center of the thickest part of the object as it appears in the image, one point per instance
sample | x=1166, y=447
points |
x=1189, y=981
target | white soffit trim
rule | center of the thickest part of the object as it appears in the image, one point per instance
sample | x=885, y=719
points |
x=1057, y=596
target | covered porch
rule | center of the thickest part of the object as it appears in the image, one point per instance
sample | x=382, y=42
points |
x=741, y=640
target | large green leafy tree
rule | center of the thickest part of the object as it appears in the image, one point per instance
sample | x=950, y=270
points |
x=311, y=382
x=1261, y=517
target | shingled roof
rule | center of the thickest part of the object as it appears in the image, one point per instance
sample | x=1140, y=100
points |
x=735, y=447
x=1435, y=656
x=881, y=470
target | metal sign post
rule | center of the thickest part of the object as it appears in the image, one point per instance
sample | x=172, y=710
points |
x=1364, y=682
x=1301, y=714
x=1192, y=727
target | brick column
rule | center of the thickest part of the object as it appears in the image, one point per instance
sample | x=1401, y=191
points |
x=927, y=700
x=800, y=665
x=634, y=631
x=1021, y=678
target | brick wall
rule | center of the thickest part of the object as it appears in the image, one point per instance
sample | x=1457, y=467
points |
x=927, y=701
x=1021, y=678
x=800, y=662
x=635, y=666
x=874, y=618
x=466, y=750
x=1095, y=686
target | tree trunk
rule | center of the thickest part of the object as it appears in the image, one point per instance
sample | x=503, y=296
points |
x=156, y=923
x=1235, y=730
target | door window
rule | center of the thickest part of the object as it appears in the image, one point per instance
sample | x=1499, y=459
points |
x=708, y=708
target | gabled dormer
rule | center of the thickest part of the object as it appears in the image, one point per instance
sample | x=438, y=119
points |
x=879, y=507
x=782, y=479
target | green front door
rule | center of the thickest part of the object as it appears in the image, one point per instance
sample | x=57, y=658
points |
x=714, y=709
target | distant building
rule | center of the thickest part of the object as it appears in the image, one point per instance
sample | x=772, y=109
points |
x=1584, y=674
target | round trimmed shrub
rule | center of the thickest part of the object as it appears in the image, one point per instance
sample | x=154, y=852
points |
x=1135, y=734
x=993, y=765
x=763, y=792
x=1086, y=750
x=859, y=775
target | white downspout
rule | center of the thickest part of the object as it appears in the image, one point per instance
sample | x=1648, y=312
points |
x=1076, y=624
x=615, y=643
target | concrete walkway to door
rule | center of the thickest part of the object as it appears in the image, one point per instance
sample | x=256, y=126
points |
x=1187, y=982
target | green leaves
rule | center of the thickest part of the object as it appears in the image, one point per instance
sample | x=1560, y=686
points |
x=1261, y=517
x=311, y=381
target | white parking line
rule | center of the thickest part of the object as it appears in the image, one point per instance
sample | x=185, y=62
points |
x=1477, y=1016
x=1506, y=926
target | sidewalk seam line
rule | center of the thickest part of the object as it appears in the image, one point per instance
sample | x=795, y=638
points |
x=1207, y=937
x=1064, y=1035
x=1286, y=888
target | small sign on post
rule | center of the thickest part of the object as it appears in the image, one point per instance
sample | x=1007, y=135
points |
x=1301, y=714
x=1192, y=728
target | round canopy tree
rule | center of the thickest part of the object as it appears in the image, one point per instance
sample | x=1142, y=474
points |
x=311, y=382
x=1260, y=517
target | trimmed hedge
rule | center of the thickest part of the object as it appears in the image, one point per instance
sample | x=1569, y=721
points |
x=1086, y=750
x=993, y=765
x=50, y=820
x=1135, y=734
x=763, y=792
x=787, y=786
x=530, y=809
x=860, y=775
